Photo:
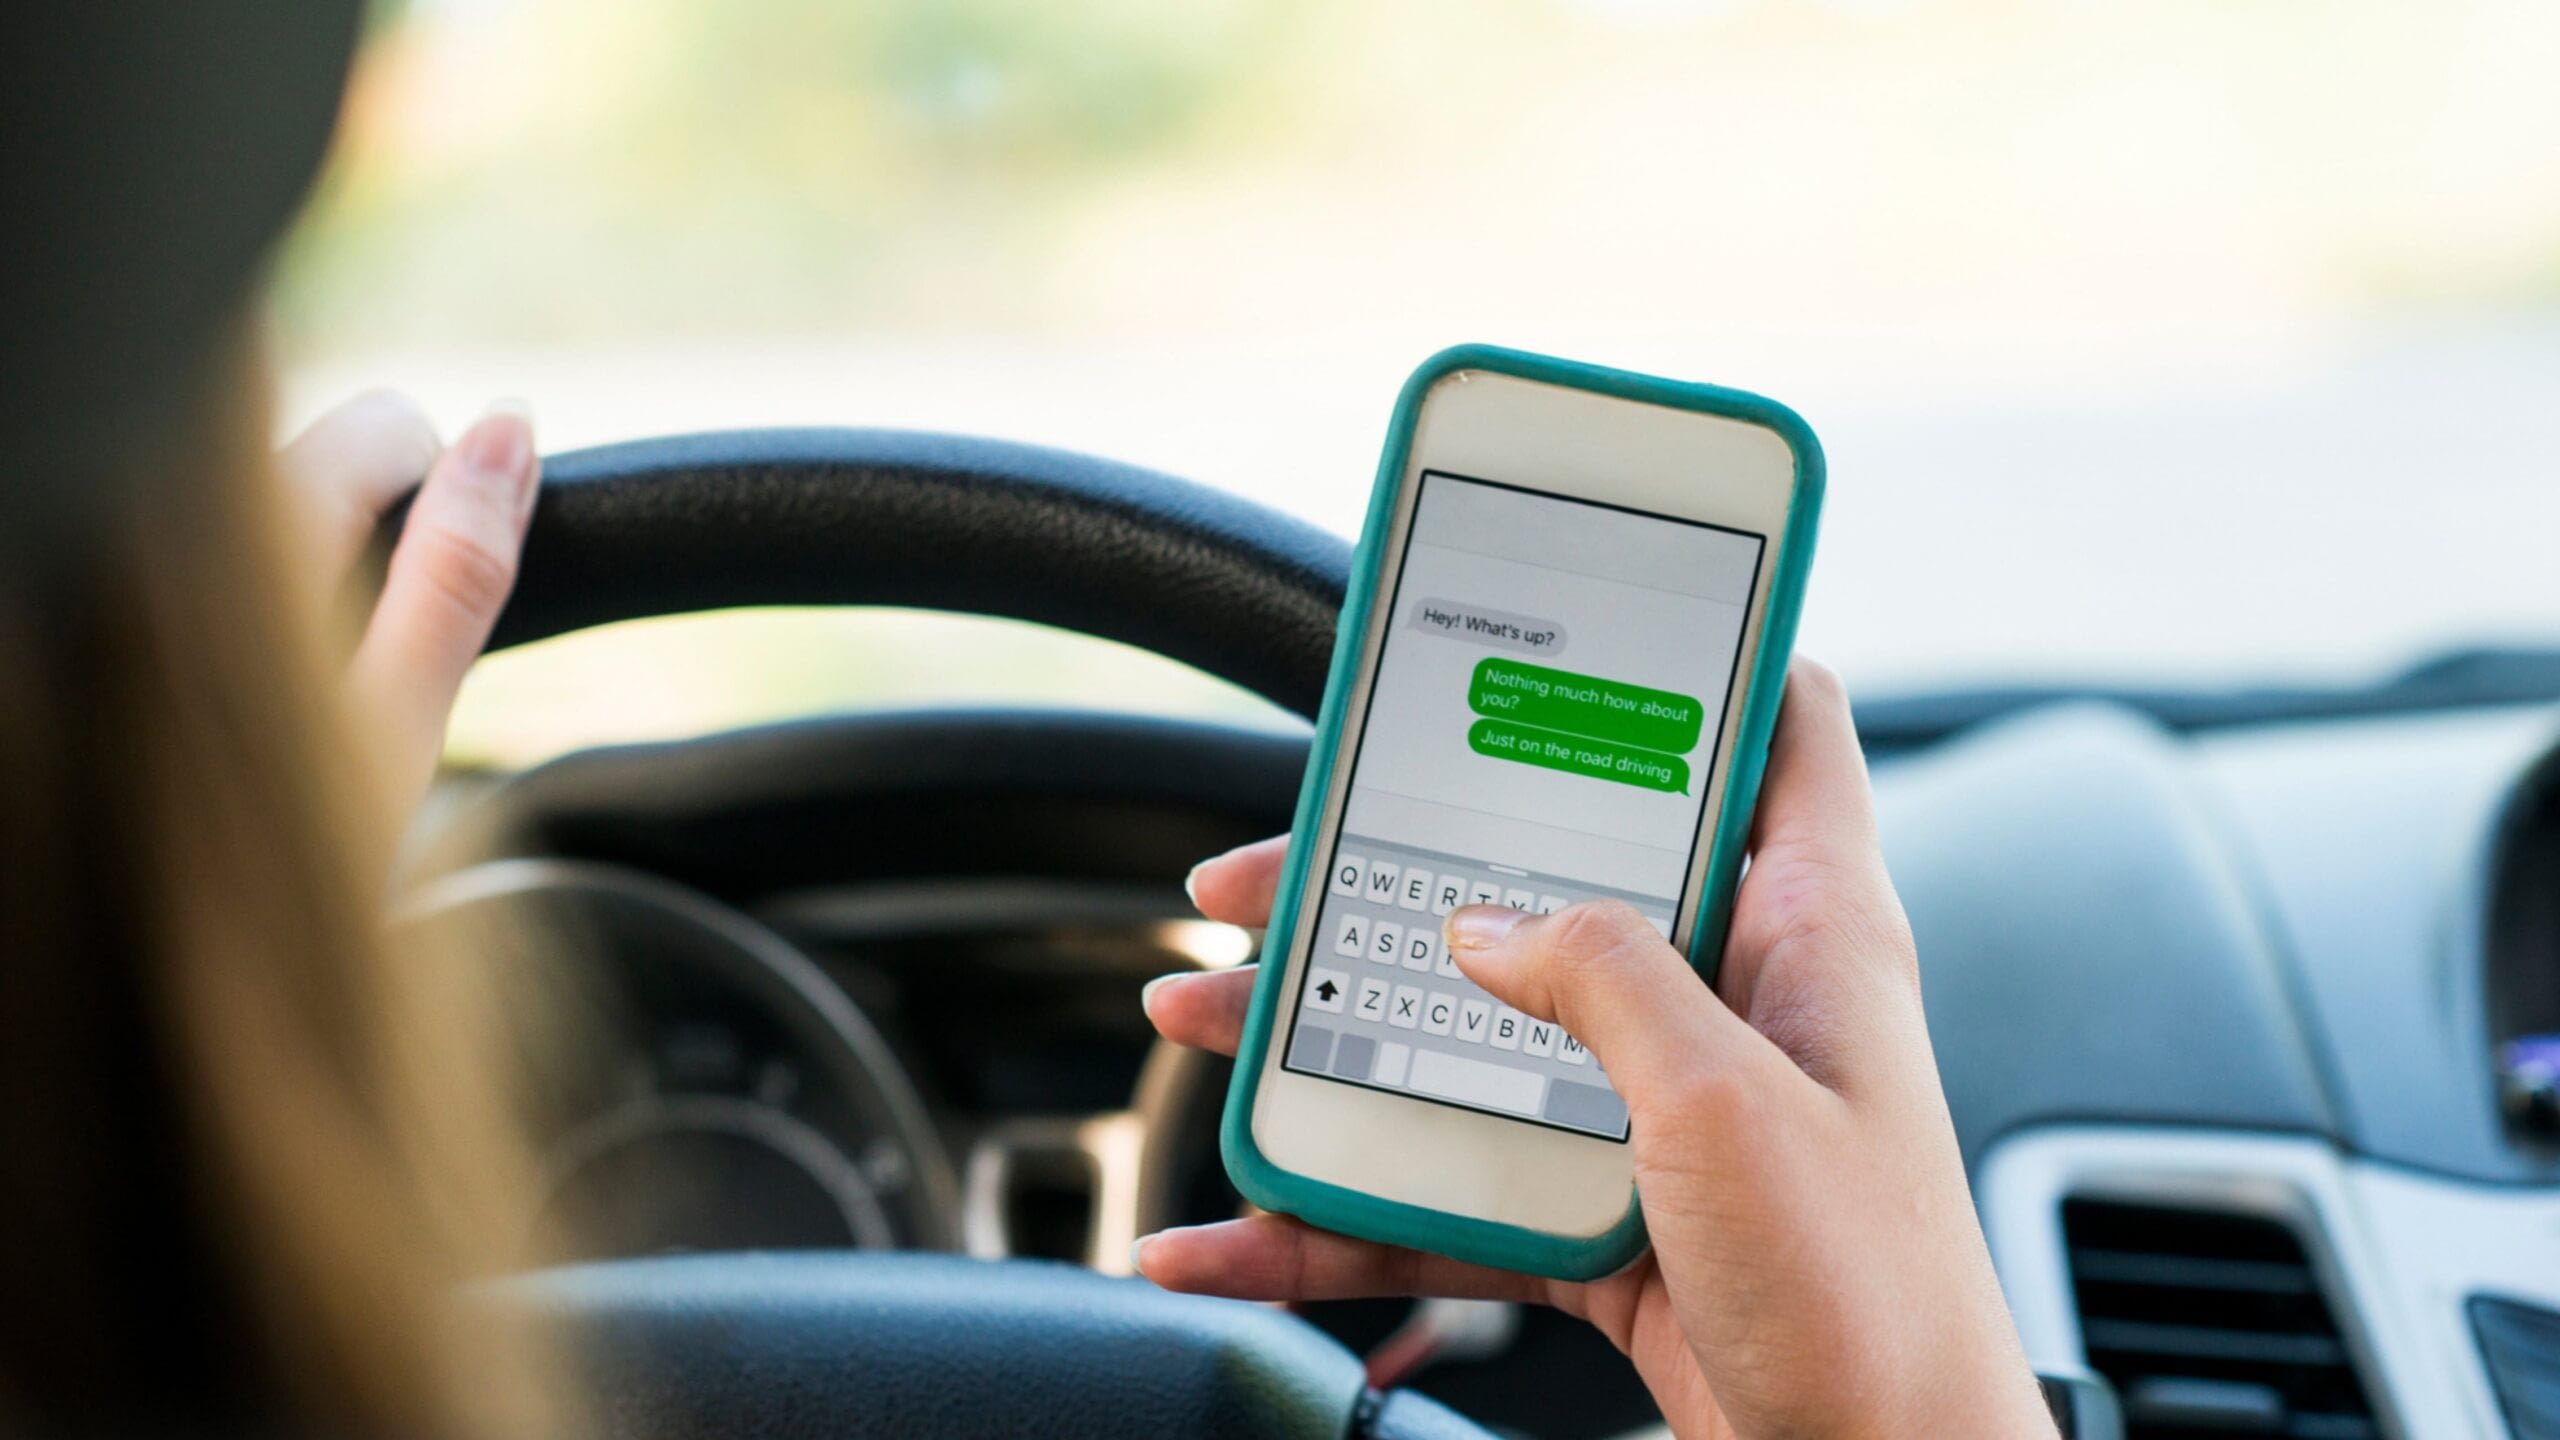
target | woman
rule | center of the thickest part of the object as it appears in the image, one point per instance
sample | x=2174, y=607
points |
x=244, y=1154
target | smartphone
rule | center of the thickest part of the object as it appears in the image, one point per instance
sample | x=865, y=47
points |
x=1554, y=679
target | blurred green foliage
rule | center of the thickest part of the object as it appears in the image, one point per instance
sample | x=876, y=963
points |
x=610, y=171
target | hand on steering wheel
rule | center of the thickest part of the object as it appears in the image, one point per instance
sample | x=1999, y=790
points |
x=451, y=570
x=1817, y=1267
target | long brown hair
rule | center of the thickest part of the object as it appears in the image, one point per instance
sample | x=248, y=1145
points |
x=246, y=1150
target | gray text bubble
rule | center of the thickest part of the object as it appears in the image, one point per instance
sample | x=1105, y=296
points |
x=1500, y=629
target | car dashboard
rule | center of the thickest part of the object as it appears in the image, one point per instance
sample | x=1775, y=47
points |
x=2219, y=1014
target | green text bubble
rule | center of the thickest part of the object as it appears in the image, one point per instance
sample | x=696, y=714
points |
x=1586, y=705
x=1579, y=755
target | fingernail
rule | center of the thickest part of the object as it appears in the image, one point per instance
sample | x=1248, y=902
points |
x=1481, y=927
x=499, y=446
x=1137, y=1249
x=1191, y=883
x=498, y=443
x=1147, y=995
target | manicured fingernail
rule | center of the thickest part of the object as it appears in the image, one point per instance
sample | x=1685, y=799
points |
x=1147, y=996
x=499, y=449
x=1191, y=882
x=1481, y=927
x=498, y=444
x=1137, y=1249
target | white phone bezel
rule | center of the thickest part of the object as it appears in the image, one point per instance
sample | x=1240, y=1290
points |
x=1567, y=442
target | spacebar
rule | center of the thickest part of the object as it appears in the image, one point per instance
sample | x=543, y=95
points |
x=1455, y=1077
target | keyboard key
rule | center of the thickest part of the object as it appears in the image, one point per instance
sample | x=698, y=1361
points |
x=1421, y=947
x=1311, y=1049
x=1352, y=1055
x=1477, y=1082
x=1351, y=936
x=1349, y=872
x=1327, y=990
x=1586, y=1107
x=1371, y=1001
x=1417, y=889
x=1395, y=939
x=1439, y=1013
x=1386, y=942
x=1392, y=1057
x=1404, y=1008
x=1382, y=882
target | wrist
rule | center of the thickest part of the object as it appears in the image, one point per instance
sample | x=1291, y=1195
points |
x=1994, y=1396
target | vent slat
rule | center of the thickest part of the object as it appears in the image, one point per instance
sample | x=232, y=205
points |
x=2210, y=1325
x=2332, y=1427
x=2213, y=1343
x=2191, y=1272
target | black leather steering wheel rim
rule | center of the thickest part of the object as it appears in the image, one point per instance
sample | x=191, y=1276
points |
x=931, y=521
x=905, y=1345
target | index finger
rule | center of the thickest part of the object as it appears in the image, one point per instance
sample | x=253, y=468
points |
x=353, y=462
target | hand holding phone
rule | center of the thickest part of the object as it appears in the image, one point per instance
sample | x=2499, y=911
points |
x=1816, y=1264
x=1553, y=682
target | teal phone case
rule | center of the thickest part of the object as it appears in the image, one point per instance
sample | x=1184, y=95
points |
x=1394, y=1222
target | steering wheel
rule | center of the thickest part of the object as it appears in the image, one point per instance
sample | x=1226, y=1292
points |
x=761, y=1345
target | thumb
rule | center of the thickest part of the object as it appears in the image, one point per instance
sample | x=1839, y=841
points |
x=1601, y=970
x=450, y=575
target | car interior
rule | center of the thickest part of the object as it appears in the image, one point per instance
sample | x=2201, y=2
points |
x=2243, y=976
x=2242, y=1059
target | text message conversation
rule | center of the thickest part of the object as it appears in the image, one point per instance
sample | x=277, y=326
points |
x=1547, y=709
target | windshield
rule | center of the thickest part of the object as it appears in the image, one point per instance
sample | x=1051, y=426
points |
x=2187, y=342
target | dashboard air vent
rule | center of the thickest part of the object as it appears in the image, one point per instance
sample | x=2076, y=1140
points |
x=2210, y=1325
x=2521, y=1346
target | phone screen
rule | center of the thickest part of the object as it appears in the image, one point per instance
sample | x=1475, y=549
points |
x=1545, y=717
